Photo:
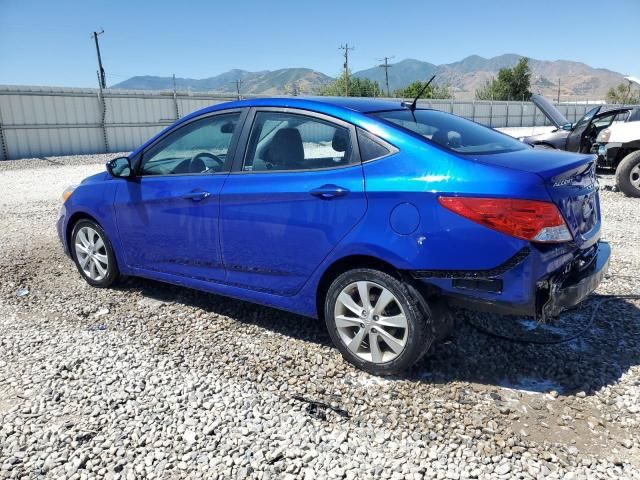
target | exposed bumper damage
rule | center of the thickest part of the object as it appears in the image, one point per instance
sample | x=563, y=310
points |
x=494, y=290
x=573, y=284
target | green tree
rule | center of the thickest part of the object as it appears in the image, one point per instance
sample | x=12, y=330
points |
x=433, y=91
x=358, y=87
x=511, y=84
x=623, y=93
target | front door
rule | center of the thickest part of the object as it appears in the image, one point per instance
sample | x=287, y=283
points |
x=298, y=192
x=578, y=138
x=168, y=215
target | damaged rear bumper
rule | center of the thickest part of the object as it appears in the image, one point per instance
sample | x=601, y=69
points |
x=572, y=285
x=546, y=297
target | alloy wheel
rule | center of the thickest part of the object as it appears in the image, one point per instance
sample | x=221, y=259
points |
x=91, y=253
x=634, y=176
x=371, y=322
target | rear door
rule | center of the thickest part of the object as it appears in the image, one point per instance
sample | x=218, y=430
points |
x=296, y=193
x=168, y=214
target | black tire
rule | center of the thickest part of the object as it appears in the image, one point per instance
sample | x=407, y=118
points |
x=112, y=272
x=628, y=173
x=421, y=332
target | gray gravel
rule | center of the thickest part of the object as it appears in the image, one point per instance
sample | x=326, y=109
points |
x=153, y=381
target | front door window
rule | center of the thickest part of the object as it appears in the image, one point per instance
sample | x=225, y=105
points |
x=199, y=147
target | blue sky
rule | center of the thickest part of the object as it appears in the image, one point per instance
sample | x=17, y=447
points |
x=48, y=42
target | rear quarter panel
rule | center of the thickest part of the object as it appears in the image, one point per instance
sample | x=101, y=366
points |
x=442, y=240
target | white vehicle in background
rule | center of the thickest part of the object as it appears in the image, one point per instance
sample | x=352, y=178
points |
x=618, y=147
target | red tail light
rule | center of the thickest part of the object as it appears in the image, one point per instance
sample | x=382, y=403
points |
x=527, y=219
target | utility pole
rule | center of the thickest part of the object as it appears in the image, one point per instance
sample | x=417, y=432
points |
x=386, y=67
x=346, y=49
x=175, y=97
x=238, y=83
x=558, y=91
x=102, y=80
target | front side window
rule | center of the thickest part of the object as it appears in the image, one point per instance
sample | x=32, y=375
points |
x=605, y=121
x=452, y=132
x=285, y=141
x=586, y=118
x=634, y=115
x=199, y=147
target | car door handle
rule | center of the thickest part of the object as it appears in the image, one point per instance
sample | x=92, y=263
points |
x=327, y=192
x=196, y=196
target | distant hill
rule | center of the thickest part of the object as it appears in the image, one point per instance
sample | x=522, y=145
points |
x=401, y=74
x=577, y=80
x=266, y=82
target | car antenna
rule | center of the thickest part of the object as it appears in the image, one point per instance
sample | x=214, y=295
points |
x=412, y=106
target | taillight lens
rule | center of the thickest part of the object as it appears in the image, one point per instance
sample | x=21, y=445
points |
x=527, y=219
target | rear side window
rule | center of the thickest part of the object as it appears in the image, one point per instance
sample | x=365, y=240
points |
x=289, y=142
x=634, y=115
x=372, y=147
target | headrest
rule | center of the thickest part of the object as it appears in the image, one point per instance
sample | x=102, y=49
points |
x=285, y=149
x=340, y=142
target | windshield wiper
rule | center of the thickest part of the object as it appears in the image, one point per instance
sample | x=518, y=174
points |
x=412, y=106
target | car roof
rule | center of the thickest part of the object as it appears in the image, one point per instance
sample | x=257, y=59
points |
x=357, y=104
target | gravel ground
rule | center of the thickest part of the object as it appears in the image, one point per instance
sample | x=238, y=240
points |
x=153, y=381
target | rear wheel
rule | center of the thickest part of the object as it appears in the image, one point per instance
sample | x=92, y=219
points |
x=628, y=174
x=93, y=254
x=378, y=323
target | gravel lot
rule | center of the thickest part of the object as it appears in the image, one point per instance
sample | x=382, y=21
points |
x=153, y=381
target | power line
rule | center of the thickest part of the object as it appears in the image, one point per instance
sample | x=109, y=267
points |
x=346, y=49
x=102, y=79
x=386, y=67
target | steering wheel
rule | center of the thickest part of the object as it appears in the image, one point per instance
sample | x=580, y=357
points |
x=198, y=165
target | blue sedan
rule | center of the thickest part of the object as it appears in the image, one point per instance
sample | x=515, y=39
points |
x=375, y=216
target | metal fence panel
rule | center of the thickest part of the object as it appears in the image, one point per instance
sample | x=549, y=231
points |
x=41, y=121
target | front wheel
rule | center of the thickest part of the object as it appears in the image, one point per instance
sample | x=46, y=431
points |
x=93, y=254
x=628, y=174
x=379, y=323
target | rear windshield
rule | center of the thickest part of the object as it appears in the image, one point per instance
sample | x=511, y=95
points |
x=452, y=132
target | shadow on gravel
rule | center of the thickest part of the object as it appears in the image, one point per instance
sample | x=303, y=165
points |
x=599, y=357
x=608, y=348
x=277, y=321
x=50, y=161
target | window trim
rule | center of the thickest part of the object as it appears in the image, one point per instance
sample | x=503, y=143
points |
x=243, y=145
x=375, y=138
x=231, y=153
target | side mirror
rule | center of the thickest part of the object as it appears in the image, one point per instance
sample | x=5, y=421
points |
x=120, y=167
x=568, y=127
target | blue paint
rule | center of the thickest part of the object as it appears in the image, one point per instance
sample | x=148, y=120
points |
x=262, y=237
x=405, y=218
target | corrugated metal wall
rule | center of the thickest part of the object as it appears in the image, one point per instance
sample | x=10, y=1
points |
x=45, y=121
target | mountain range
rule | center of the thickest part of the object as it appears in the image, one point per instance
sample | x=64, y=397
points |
x=578, y=81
